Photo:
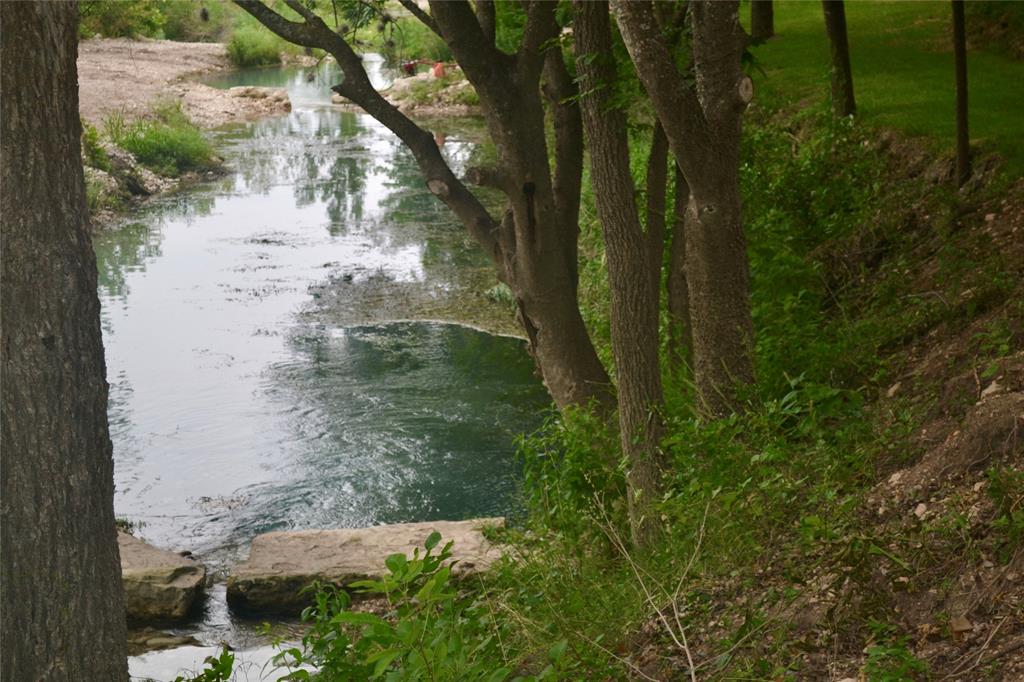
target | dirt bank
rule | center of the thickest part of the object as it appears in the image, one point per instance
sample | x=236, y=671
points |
x=130, y=76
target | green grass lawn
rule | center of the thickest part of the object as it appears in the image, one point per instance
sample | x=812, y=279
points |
x=902, y=72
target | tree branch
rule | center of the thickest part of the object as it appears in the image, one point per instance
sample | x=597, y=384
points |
x=561, y=92
x=486, y=16
x=540, y=28
x=657, y=196
x=676, y=104
x=425, y=19
x=356, y=86
x=490, y=177
x=485, y=66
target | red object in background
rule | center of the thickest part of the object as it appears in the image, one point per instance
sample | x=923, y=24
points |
x=409, y=68
x=438, y=70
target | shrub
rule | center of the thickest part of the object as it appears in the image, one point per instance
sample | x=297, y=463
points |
x=432, y=631
x=217, y=669
x=250, y=46
x=169, y=144
x=120, y=19
x=92, y=153
x=190, y=21
x=413, y=40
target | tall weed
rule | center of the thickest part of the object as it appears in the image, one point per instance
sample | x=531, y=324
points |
x=251, y=46
x=169, y=143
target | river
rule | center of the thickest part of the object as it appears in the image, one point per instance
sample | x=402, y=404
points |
x=281, y=352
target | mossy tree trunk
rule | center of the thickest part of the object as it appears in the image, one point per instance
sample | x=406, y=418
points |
x=63, y=609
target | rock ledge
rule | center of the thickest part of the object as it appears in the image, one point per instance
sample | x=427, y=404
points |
x=282, y=563
x=158, y=585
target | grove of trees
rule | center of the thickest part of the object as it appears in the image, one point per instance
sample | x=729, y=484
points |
x=534, y=243
x=558, y=109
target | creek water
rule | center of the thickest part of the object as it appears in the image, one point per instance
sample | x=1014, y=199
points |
x=268, y=360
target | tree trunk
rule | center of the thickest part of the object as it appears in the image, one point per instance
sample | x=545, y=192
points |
x=656, y=206
x=703, y=125
x=628, y=252
x=762, y=19
x=534, y=244
x=963, y=148
x=680, y=337
x=718, y=283
x=486, y=16
x=63, y=609
x=843, y=103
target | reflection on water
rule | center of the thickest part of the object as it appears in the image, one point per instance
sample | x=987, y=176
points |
x=254, y=385
x=307, y=85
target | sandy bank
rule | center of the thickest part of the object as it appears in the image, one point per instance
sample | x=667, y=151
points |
x=131, y=76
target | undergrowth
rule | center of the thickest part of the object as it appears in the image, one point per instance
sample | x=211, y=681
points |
x=761, y=503
x=763, y=511
x=168, y=143
x=252, y=46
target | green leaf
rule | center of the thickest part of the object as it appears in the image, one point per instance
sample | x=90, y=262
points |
x=358, y=618
x=383, y=659
x=500, y=675
x=366, y=586
x=395, y=562
x=424, y=592
x=556, y=652
x=432, y=540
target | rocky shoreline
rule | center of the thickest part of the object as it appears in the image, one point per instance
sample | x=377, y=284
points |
x=129, y=80
x=163, y=587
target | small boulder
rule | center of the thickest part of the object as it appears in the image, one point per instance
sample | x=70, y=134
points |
x=272, y=100
x=158, y=585
x=282, y=563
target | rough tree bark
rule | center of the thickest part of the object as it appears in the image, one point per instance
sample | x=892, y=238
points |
x=702, y=124
x=843, y=103
x=963, y=146
x=534, y=243
x=762, y=19
x=63, y=611
x=634, y=266
x=680, y=337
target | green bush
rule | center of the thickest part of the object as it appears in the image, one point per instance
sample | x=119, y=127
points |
x=120, y=19
x=217, y=669
x=169, y=144
x=92, y=153
x=196, y=22
x=567, y=464
x=250, y=46
x=1006, y=488
x=412, y=40
x=432, y=632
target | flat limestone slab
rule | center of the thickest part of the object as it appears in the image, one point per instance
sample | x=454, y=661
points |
x=283, y=563
x=158, y=585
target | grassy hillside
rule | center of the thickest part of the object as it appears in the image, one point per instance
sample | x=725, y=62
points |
x=865, y=518
x=902, y=60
